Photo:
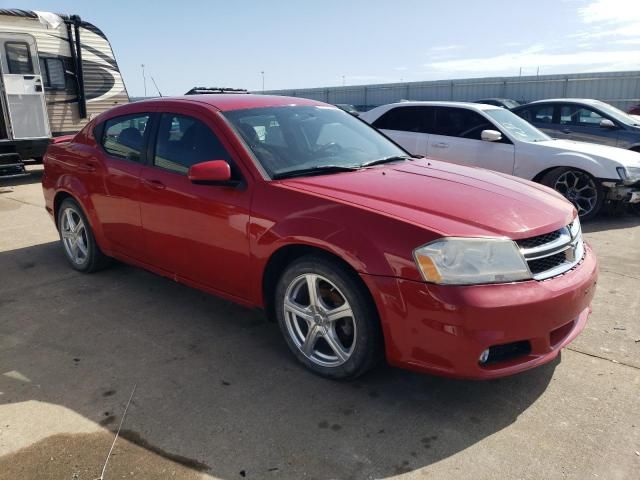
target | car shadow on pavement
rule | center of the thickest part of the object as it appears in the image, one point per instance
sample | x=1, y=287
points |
x=217, y=389
x=611, y=222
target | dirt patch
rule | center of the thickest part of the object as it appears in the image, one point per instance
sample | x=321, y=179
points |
x=81, y=456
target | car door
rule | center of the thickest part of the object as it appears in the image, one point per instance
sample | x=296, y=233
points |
x=195, y=232
x=407, y=126
x=456, y=138
x=582, y=124
x=120, y=156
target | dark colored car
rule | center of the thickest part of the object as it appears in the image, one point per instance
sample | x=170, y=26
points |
x=583, y=120
x=507, y=103
x=634, y=110
x=356, y=249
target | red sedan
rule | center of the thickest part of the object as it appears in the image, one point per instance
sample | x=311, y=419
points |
x=355, y=248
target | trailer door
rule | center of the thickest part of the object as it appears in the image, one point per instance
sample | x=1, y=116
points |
x=23, y=89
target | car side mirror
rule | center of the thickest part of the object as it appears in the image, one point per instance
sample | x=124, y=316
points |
x=213, y=172
x=491, y=135
x=606, y=123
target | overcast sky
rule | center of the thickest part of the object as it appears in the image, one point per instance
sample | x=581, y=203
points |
x=323, y=43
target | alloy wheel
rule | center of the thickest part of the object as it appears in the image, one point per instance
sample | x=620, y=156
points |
x=319, y=320
x=580, y=189
x=74, y=236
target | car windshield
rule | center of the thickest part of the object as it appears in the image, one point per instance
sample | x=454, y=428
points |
x=303, y=138
x=516, y=126
x=617, y=114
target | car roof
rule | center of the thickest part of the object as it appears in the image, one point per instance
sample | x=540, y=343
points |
x=230, y=101
x=470, y=105
x=589, y=101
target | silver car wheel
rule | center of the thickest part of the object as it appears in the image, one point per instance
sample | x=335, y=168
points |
x=580, y=189
x=74, y=236
x=319, y=320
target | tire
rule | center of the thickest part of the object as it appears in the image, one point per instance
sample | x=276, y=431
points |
x=579, y=187
x=343, y=347
x=77, y=239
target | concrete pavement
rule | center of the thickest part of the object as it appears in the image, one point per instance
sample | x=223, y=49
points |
x=219, y=396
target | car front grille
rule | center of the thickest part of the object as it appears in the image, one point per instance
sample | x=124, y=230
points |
x=553, y=253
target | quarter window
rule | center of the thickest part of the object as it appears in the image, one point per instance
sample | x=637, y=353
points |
x=184, y=141
x=542, y=114
x=18, y=58
x=124, y=136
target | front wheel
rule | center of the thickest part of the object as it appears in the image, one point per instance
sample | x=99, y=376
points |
x=327, y=318
x=580, y=188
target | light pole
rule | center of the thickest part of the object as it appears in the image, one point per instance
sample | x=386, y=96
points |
x=343, y=80
x=144, y=80
x=262, y=73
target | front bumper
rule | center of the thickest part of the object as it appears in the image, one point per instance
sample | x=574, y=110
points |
x=623, y=193
x=443, y=330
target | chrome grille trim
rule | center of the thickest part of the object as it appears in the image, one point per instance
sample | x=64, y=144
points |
x=569, y=241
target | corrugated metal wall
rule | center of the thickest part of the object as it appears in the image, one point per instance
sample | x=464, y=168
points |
x=621, y=89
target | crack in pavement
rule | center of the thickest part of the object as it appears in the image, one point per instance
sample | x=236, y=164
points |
x=621, y=274
x=603, y=358
x=23, y=202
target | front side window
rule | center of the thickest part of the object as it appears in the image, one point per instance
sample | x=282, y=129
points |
x=123, y=137
x=588, y=118
x=18, y=58
x=460, y=122
x=184, y=141
x=290, y=138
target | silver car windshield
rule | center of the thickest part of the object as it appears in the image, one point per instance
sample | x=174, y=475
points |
x=616, y=113
x=516, y=126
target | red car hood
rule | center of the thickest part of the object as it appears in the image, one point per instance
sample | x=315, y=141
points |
x=446, y=198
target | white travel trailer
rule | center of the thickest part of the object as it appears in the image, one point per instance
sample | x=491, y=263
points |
x=56, y=72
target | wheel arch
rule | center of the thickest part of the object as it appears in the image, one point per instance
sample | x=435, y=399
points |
x=281, y=258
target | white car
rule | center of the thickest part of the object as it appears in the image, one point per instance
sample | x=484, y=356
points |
x=491, y=137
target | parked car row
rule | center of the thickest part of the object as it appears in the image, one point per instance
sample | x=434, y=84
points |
x=357, y=248
x=495, y=138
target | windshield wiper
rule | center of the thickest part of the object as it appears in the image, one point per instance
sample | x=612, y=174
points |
x=392, y=158
x=317, y=170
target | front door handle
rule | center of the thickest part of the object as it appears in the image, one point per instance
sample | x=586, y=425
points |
x=441, y=145
x=155, y=184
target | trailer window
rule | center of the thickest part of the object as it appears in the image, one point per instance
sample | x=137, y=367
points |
x=52, y=71
x=18, y=58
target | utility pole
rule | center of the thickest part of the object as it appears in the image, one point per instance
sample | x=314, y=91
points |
x=262, y=73
x=343, y=80
x=144, y=80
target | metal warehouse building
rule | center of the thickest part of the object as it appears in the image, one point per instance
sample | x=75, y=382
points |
x=621, y=89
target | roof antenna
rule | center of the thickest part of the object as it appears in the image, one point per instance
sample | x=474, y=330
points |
x=156, y=85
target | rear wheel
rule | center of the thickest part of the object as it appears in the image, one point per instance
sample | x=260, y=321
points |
x=77, y=239
x=580, y=188
x=327, y=318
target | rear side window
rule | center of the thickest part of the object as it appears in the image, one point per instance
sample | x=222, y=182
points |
x=123, y=137
x=542, y=114
x=18, y=58
x=184, y=141
x=52, y=71
x=406, y=119
x=460, y=122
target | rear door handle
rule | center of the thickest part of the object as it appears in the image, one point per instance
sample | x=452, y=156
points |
x=88, y=167
x=566, y=130
x=441, y=145
x=155, y=184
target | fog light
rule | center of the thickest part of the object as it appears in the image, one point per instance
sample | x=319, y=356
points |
x=484, y=356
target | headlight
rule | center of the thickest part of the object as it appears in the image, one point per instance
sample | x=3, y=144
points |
x=468, y=261
x=629, y=175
